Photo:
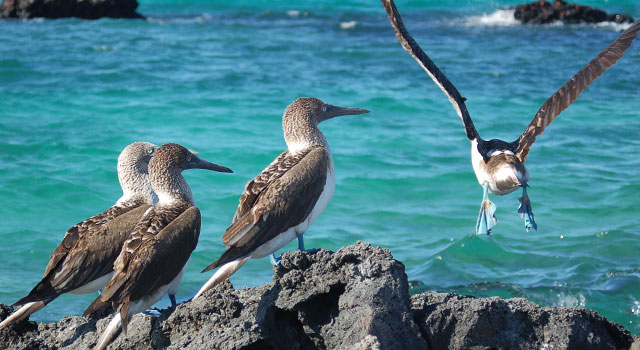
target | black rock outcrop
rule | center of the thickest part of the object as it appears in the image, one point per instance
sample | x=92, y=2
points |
x=356, y=298
x=541, y=12
x=87, y=9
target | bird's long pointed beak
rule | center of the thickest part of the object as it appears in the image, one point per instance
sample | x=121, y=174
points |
x=199, y=163
x=332, y=111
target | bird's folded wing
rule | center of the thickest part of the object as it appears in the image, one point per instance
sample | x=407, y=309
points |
x=284, y=203
x=152, y=258
x=86, y=253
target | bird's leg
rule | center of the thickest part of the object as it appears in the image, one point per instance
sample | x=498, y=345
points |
x=155, y=312
x=486, y=219
x=525, y=208
x=301, y=244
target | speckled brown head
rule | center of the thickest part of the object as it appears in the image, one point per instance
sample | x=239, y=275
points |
x=301, y=118
x=133, y=172
x=165, y=171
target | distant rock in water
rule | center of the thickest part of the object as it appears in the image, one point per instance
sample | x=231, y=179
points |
x=355, y=298
x=541, y=12
x=87, y=9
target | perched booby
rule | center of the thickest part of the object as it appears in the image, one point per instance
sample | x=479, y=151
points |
x=83, y=262
x=156, y=252
x=499, y=165
x=287, y=197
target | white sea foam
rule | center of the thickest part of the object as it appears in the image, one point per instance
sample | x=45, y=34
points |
x=619, y=27
x=577, y=300
x=505, y=17
x=348, y=24
x=296, y=13
x=501, y=17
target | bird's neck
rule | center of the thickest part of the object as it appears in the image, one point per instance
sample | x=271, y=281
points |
x=135, y=183
x=171, y=187
x=301, y=136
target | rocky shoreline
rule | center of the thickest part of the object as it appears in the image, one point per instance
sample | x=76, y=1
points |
x=544, y=12
x=355, y=298
x=86, y=9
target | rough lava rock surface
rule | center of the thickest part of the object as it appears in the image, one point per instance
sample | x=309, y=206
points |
x=356, y=298
x=87, y=9
x=542, y=12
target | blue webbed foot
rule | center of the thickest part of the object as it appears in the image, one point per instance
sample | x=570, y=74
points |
x=173, y=300
x=486, y=219
x=275, y=260
x=526, y=212
x=153, y=312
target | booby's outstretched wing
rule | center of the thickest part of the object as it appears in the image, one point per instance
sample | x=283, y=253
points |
x=87, y=252
x=410, y=45
x=568, y=93
x=281, y=197
x=152, y=257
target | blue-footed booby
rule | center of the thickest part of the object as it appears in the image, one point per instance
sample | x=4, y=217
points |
x=83, y=262
x=155, y=254
x=280, y=203
x=499, y=165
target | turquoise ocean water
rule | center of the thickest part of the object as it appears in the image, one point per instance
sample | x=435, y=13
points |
x=216, y=77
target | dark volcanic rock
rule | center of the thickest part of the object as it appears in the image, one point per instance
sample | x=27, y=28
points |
x=494, y=323
x=356, y=298
x=88, y=9
x=541, y=12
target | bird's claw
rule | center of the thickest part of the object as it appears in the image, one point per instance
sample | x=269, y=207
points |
x=486, y=219
x=275, y=260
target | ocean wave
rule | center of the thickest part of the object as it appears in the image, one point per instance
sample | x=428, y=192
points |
x=348, y=25
x=297, y=13
x=181, y=19
x=501, y=17
x=505, y=17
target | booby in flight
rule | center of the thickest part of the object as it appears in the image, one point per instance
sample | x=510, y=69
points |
x=287, y=197
x=156, y=252
x=83, y=262
x=499, y=165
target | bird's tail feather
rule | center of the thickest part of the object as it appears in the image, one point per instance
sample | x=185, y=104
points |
x=23, y=312
x=223, y=272
x=109, y=333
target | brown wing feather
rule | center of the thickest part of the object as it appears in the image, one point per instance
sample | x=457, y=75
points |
x=254, y=187
x=86, y=253
x=284, y=204
x=412, y=47
x=152, y=257
x=568, y=93
x=76, y=232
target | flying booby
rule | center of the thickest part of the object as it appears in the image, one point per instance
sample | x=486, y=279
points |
x=83, y=262
x=288, y=196
x=499, y=165
x=156, y=252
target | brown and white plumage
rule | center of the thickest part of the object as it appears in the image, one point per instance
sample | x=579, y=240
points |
x=83, y=261
x=498, y=164
x=288, y=195
x=154, y=256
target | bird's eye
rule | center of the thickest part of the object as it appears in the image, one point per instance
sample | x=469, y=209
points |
x=324, y=108
x=150, y=151
x=188, y=158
